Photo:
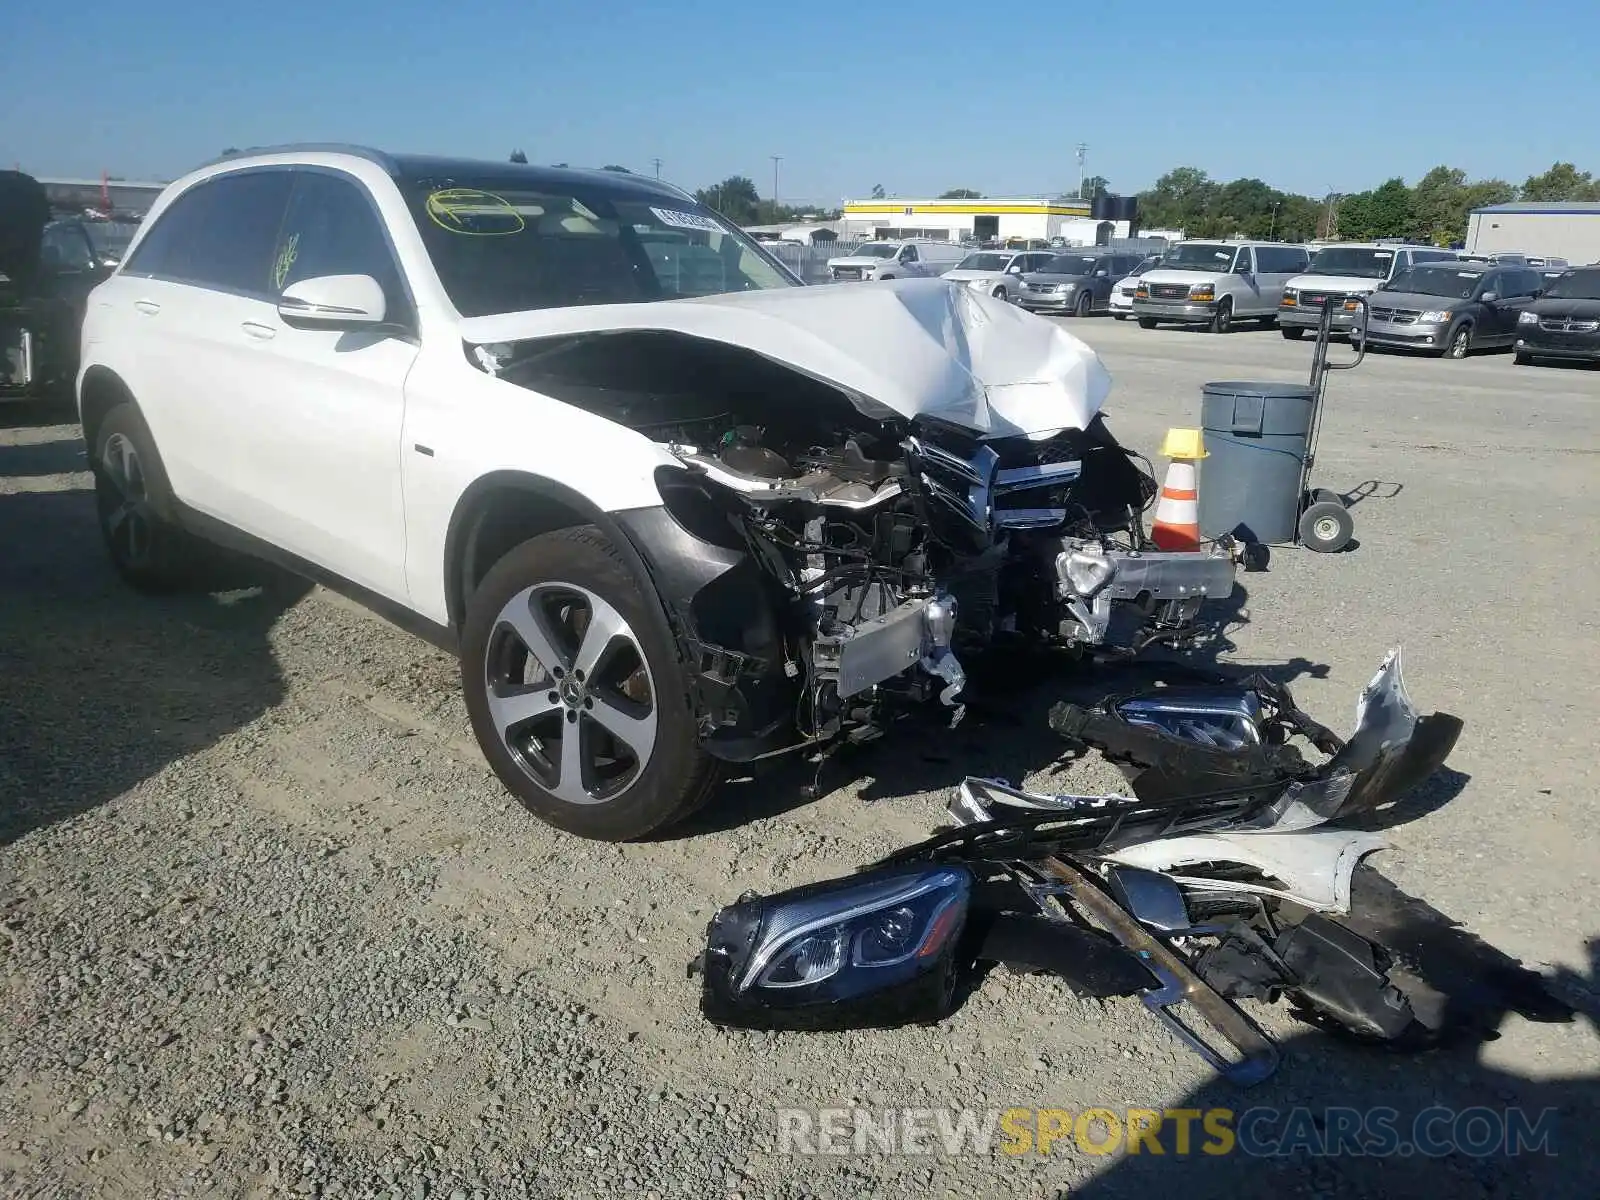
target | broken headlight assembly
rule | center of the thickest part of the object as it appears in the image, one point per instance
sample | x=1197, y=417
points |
x=875, y=949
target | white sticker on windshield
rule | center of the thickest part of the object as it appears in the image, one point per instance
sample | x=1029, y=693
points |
x=686, y=220
x=1383, y=254
x=1466, y=274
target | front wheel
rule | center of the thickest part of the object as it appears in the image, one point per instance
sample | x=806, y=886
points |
x=1084, y=305
x=1147, y=322
x=1222, y=319
x=1521, y=359
x=1460, y=342
x=577, y=694
x=1292, y=332
x=1119, y=316
x=999, y=293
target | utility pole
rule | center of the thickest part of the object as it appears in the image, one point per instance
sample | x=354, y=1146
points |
x=1083, y=156
x=776, y=159
x=656, y=162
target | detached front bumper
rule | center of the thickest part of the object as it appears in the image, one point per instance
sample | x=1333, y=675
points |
x=1193, y=311
x=1173, y=584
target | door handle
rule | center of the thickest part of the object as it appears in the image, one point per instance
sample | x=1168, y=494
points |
x=259, y=331
x=148, y=307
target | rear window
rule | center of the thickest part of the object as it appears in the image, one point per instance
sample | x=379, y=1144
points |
x=219, y=234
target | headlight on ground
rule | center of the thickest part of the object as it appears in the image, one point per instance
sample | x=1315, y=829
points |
x=838, y=954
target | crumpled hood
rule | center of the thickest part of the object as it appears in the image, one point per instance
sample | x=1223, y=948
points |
x=917, y=347
x=1343, y=284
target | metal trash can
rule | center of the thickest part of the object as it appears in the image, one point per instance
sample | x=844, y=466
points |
x=1255, y=438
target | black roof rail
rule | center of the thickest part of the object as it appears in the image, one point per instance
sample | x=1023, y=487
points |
x=378, y=157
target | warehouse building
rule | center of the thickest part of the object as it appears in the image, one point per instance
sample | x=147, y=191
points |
x=1027, y=218
x=1567, y=229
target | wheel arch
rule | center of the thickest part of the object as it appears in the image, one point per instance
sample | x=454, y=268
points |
x=100, y=390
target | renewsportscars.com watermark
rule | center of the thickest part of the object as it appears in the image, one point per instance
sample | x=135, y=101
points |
x=1255, y=1132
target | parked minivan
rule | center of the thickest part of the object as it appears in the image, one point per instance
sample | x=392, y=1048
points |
x=1213, y=283
x=1339, y=272
x=896, y=260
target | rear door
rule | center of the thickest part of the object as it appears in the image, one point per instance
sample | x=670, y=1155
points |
x=196, y=285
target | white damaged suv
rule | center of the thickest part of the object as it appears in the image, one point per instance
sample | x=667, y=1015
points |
x=670, y=507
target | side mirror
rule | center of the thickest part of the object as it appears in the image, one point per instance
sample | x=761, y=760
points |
x=1102, y=273
x=333, y=302
x=1489, y=297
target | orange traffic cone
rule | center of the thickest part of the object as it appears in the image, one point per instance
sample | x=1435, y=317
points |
x=1177, y=521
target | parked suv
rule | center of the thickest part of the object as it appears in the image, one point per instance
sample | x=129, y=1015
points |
x=1216, y=283
x=998, y=272
x=1121, y=303
x=896, y=260
x=1077, y=282
x=1451, y=309
x=590, y=437
x=1564, y=323
x=1339, y=273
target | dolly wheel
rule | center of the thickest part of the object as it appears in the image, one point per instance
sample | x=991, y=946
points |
x=1326, y=527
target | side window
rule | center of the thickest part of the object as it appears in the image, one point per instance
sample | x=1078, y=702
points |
x=909, y=254
x=221, y=235
x=1241, y=262
x=1492, y=281
x=66, y=248
x=331, y=228
x=1530, y=284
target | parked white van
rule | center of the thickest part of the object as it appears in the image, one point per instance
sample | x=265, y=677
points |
x=897, y=260
x=1340, y=272
x=1214, y=283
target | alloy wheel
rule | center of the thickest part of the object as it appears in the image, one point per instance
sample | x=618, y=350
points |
x=1461, y=343
x=570, y=692
x=124, y=495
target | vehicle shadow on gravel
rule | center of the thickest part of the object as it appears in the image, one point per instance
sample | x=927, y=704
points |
x=101, y=688
x=1334, y=1119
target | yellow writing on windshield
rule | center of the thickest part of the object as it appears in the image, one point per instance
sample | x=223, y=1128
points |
x=474, y=213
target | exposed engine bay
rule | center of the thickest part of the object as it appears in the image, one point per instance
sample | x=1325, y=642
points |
x=891, y=547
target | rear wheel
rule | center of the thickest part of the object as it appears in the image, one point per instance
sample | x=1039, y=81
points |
x=1293, y=332
x=132, y=497
x=577, y=694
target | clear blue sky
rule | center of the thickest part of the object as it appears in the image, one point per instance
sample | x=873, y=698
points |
x=991, y=96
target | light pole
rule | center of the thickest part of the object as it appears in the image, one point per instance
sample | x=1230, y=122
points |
x=776, y=159
x=1083, y=156
x=1273, y=226
x=656, y=162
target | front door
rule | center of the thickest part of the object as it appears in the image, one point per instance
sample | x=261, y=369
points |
x=328, y=407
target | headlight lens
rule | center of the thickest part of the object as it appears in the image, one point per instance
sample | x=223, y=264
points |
x=1527, y=318
x=838, y=954
x=1142, y=292
x=1202, y=291
x=1434, y=316
x=1291, y=296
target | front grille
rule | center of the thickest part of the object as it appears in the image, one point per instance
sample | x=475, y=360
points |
x=1317, y=299
x=1169, y=291
x=1568, y=325
x=847, y=272
x=1396, y=316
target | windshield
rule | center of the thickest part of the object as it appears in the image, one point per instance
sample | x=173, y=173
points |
x=1149, y=264
x=984, y=262
x=1070, y=264
x=501, y=250
x=1198, y=256
x=873, y=250
x=1575, y=285
x=1437, y=281
x=1359, y=262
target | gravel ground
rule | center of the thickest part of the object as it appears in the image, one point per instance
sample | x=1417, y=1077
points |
x=268, y=926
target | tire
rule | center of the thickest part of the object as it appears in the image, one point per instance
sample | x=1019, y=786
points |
x=1520, y=359
x=1460, y=342
x=1222, y=319
x=1084, y=305
x=623, y=785
x=133, y=503
x=1119, y=316
x=1147, y=322
x=1326, y=527
x=1292, y=332
x=999, y=293
x=885, y=276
